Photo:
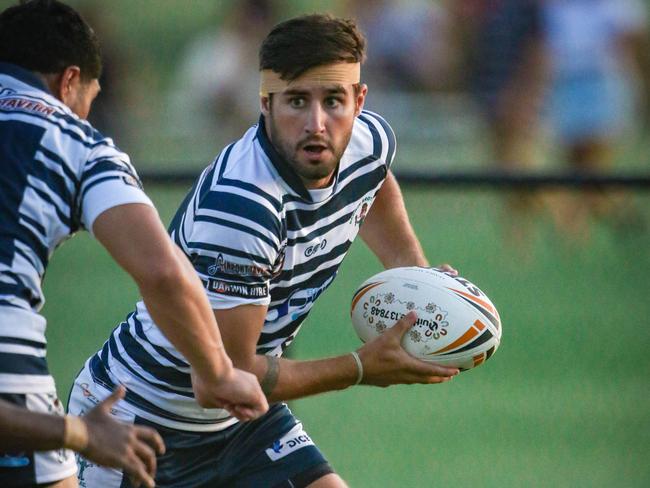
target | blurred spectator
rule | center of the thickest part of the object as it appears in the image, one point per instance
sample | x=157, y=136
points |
x=594, y=48
x=123, y=107
x=409, y=44
x=108, y=111
x=507, y=73
x=218, y=76
x=506, y=64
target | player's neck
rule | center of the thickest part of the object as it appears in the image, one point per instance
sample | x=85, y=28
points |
x=320, y=184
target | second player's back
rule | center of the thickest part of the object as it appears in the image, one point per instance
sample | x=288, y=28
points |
x=57, y=174
x=51, y=163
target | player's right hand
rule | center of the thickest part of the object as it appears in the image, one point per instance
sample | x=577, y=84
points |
x=238, y=392
x=385, y=362
x=115, y=444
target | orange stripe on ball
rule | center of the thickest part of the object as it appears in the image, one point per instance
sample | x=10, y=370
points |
x=465, y=338
x=362, y=292
x=479, y=325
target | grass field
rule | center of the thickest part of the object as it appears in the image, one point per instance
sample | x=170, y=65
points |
x=565, y=402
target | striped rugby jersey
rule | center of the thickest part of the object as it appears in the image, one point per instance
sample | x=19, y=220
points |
x=255, y=235
x=57, y=174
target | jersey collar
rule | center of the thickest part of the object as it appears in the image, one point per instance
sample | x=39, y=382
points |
x=24, y=75
x=283, y=168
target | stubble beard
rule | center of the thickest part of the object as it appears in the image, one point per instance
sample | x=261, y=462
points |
x=306, y=170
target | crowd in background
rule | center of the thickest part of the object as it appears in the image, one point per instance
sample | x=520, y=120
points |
x=542, y=79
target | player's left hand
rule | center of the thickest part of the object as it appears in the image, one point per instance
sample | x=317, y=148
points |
x=447, y=268
x=385, y=362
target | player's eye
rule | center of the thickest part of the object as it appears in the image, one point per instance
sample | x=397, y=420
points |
x=332, y=102
x=297, y=102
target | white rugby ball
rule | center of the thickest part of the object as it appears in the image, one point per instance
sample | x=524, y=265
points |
x=457, y=323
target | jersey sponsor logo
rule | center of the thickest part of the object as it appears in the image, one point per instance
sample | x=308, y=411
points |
x=293, y=440
x=131, y=181
x=299, y=301
x=315, y=248
x=221, y=265
x=234, y=289
x=26, y=105
x=361, y=212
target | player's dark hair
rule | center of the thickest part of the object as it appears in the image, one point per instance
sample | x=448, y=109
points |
x=299, y=44
x=47, y=36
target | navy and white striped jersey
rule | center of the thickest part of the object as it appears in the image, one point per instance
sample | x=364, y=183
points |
x=57, y=174
x=255, y=235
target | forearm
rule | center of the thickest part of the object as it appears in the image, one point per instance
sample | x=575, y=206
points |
x=181, y=310
x=169, y=286
x=388, y=232
x=21, y=429
x=298, y=379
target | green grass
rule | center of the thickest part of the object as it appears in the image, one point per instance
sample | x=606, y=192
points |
x=564, y=402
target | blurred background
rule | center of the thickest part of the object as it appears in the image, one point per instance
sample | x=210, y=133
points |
x=468, y=85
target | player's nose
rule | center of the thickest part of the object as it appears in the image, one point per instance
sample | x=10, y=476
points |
x=316, y=116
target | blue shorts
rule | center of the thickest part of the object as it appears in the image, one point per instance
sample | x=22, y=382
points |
x=272, y=451
x=592, y=106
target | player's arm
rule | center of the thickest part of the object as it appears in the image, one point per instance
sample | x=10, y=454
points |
x=98, y=436
x=387, y=229
x=21, y=429
x=173, y=293
x=384, y=360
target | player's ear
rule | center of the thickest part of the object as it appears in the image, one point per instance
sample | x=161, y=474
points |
x=69, y=84
x=265, y=104
x=63, y=84
x=360, y=93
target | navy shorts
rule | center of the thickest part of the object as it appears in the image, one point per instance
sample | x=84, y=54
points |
x=271, y=452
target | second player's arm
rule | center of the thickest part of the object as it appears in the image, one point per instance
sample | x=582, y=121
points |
x=384, y=361
x=106, y=441
x=176, y=300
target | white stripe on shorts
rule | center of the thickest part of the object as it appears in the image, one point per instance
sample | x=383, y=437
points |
x=50, y=466
x=84, y=396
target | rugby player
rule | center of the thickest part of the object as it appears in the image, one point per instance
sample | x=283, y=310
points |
x=266, y=227
x=57, y=176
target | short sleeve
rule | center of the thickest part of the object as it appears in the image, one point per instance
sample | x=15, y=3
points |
x=108, y=180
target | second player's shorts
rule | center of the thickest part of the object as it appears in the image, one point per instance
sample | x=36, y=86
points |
x=271, y=452
x=23, y=469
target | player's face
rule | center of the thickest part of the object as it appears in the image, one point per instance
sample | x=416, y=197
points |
x=310, y=126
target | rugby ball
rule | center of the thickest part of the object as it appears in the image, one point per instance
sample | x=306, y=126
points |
x=457, y=324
